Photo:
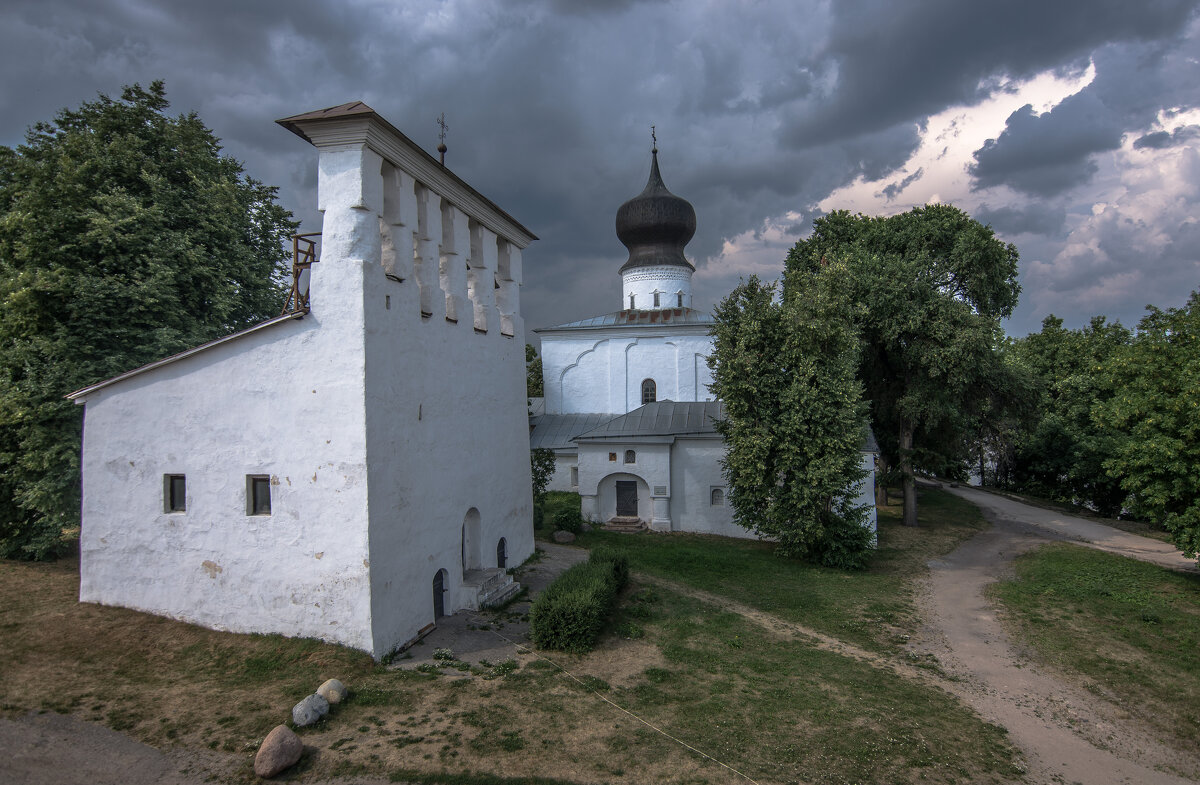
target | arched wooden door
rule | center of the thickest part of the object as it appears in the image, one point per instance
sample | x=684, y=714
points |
x=439, y=595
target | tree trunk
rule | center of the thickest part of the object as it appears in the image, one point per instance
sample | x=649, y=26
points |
x=881, y=474
x=906, y=471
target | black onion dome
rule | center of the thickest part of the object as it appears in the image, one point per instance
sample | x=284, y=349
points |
x=655, y=225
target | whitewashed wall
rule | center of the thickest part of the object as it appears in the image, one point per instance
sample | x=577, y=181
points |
x=668, y=280
x=564, y=461
x=695, y=471
x=601, y=370
x=287, y=402
x=598, y=476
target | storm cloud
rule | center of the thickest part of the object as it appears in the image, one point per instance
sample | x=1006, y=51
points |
x=762, y=111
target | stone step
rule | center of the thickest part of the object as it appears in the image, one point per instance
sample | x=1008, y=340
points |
x=624, y=524
x=500, y=596
x=492, y=586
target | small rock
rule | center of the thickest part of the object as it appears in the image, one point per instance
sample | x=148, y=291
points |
x=585, y=527
x=280, y=750
x=333, y=691
x=563, y=537
x=309, y=711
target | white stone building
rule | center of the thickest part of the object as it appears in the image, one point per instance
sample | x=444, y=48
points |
x=626, y=406
x=354, y=468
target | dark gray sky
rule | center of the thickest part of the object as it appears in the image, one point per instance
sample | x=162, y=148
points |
x=1072, y=127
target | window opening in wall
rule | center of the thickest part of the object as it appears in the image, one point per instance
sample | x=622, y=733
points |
x=631, y=302
x=502, y=554
x=258, y=494
x=630, y=456
x=649, y=391
x=656, y=299
x=174, y=493
x=574, y=476
x=718, y=497
x=612, y=456
x=679, y=300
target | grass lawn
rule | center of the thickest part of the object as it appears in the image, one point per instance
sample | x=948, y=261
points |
x=767, y=705
x=1129, y=631
x=873, y=608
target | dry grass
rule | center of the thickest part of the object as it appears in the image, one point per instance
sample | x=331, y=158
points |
x=770, y=706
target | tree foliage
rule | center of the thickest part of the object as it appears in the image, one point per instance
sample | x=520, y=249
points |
x=932, y=284
x=541, y=464
x=533, y=372
x=1060, y=454
x=794, y=416
x=125, y=236
x=1153, y=419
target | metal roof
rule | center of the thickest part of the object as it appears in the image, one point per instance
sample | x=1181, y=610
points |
x=630, y=317
x=662, y=418
x=557, y=431
x=672, y=418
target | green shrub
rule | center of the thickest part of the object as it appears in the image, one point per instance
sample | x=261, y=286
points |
x=616, y=561
x=570, y=614
x=568, y=521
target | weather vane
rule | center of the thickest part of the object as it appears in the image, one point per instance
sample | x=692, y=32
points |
x=654, y=138
x=441, y=148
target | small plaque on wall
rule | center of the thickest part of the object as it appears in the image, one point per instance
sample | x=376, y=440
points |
x=660, y=490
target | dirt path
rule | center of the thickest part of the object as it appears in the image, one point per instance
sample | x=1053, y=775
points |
x=1068, y=735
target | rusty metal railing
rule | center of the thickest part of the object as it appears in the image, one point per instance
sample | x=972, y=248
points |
x=304, y=253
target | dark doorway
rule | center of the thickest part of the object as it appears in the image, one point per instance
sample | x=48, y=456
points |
x=439, y=595
x=502, y=554
x=627, y=499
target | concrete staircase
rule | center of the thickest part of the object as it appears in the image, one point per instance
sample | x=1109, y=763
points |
x=493, y=586
x=625, y=523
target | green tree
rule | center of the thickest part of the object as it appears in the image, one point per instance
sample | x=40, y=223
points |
x=1061, y=454
x=533, y=372
x=794, y=417
x=1153, y=415
x=541, y=463
x=933, y=284
x=125, y=236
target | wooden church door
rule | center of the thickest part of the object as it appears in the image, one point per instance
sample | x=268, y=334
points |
x=627, y=501
x=439, y=594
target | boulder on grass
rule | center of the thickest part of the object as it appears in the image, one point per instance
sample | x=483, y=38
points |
x=333, y=691
x=563, y=537
x=309, y=711
x=280, y=750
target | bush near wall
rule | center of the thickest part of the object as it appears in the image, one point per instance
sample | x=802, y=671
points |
x=570, y=614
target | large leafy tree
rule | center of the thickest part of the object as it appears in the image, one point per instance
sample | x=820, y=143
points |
x=933, y=284
x=1061, y=454
x=794, y=415
x=125, y=236
x=1153, y=416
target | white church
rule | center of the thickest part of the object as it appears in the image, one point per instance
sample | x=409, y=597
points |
x=356, y=467
x=627, y=408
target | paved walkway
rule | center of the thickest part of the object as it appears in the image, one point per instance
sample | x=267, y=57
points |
x=1068, y=527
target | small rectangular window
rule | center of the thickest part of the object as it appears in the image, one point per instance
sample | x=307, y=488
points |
x=574, y=476
x=174, y=493
x=612, y=456
x=679, y=301
x=258, y=494
x=656, y=299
